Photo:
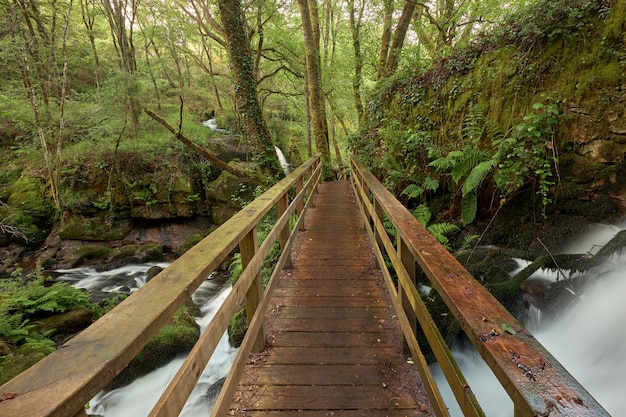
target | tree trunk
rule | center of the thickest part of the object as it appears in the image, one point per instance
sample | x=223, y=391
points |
x=316, y=96
x=207, y=51
x=355, y=28
x=122, y=15
x=246, y=97
x=385, y=38
x=398, y=38
x=87, y=8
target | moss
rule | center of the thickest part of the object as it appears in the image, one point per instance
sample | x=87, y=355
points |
x=237, y=328
x=98, y=228
x=90, y=252
x=125, y=252
x=190, y=243
x=22, y=359
x=150, y=252
x=28, y=210
x=609, y=74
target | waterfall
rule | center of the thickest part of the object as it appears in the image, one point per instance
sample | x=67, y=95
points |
x=283, y=160
x=212, y=124
x=587, y=339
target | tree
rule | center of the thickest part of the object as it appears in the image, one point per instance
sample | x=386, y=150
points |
x=356, y=21
x=245, y=85
x=34, y=46
x=310, y=28
x=122, y=17
x=390, y=52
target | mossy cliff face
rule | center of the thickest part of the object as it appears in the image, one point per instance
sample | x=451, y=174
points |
x=564, y=57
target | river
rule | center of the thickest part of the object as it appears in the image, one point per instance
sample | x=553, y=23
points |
x=587, y=338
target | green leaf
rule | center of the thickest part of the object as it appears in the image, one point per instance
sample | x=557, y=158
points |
x=507, y=328
x=412, y=191
x=469, y=207
x=430, y=184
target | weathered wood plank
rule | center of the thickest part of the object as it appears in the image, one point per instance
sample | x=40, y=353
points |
x=316, y=375
x=353, y=325
x=325, y=289
x=342, y=413
x=330, y=301
x=338, y=397
x=287, y=312
x=329, y=339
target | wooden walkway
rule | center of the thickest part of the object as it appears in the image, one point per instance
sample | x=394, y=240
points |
x=334, y=345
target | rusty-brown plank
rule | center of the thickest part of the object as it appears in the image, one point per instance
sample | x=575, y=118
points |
x=333, y=340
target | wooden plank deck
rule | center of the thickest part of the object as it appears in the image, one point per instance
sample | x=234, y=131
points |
x=334, y=345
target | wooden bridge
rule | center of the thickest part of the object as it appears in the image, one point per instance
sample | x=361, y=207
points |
x=330, y=334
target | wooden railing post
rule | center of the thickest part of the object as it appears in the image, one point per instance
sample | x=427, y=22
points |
x=248, y=247
x=283, y=203
x=380, y=214
x=300, y=207
x=408, y=261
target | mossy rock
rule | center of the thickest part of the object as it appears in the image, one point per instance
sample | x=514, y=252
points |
x=237, y=328
x=150, y=252
x=192, y=241
x=23, y=358
x=91, y=252
x=125, y=252
x=175, y=338
x=228, y=188
x=98, y=228
x=221, y=213
x=66, y=324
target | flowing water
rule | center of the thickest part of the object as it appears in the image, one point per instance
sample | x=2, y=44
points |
x=138, y=398
x=587, y=337
x=283, y=160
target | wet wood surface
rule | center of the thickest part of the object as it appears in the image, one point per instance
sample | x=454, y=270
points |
x=334, y=344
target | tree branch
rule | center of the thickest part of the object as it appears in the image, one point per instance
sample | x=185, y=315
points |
x=197, y=148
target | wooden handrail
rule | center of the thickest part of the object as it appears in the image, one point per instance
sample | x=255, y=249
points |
x=536, y=382
x=62, y=383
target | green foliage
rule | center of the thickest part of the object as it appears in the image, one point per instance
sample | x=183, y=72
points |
x=23, y=300
x=439, y=230
x=528, y=154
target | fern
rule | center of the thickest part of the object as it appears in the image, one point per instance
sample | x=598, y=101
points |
x=469, y=208
x=430, y=184
x=474, y=125
x=422, y=214
x=412, y=191
x=477, y=174
x=389, y=227
x=440, y=230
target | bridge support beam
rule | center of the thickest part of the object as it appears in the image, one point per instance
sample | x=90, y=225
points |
x=248, y=247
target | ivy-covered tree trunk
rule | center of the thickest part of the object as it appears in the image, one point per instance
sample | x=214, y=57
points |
x=246, y=97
